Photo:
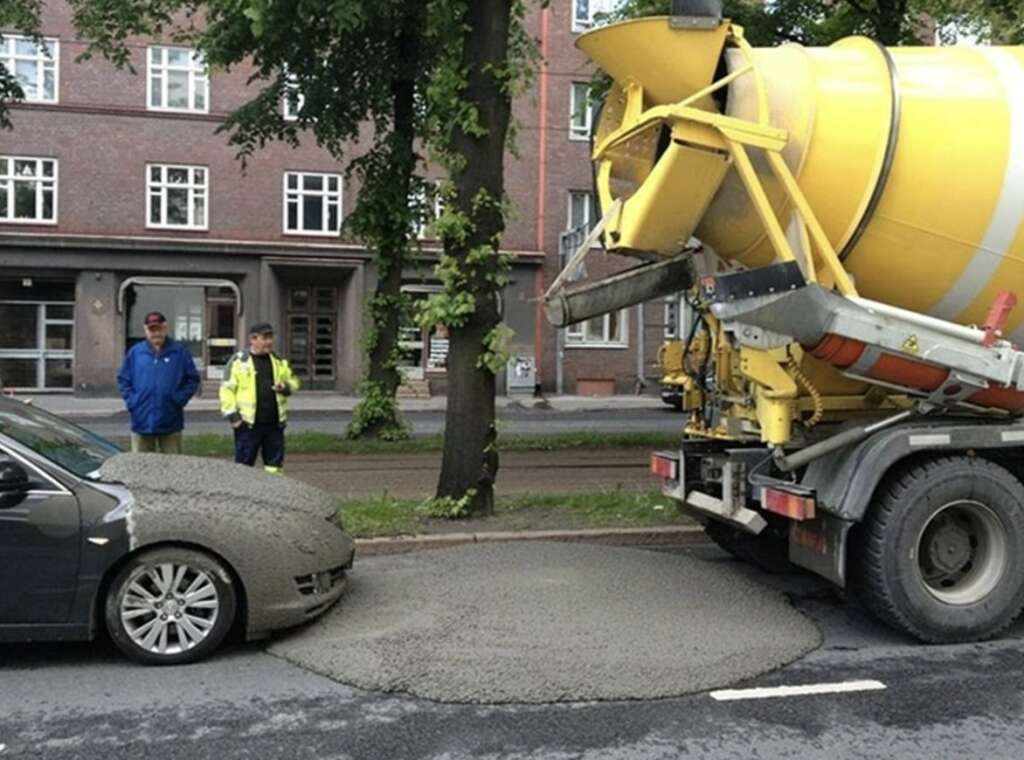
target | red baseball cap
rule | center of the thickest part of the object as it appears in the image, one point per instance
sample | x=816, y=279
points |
x=154, y=318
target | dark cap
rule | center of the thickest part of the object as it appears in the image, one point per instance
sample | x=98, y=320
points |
x=261, y=328
x=154, y=318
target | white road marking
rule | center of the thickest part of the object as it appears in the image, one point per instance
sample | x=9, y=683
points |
x=727, y=695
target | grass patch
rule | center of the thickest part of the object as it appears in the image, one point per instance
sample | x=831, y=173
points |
x=314, y=442
x=386, y=516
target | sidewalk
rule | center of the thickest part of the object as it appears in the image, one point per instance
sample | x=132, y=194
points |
x=319, y=401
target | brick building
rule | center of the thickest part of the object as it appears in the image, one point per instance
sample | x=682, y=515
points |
x=117, y=197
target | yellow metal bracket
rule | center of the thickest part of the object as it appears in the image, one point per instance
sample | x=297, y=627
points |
x=775, y=392
x=716, y=131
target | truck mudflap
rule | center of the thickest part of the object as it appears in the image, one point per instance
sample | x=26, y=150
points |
x=819, y=545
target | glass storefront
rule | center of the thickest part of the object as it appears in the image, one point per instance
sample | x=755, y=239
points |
x=37, y=334
x=203, y=317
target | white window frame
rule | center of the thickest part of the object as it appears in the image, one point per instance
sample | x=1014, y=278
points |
x=329, y=197
x=198, y=77
x=588, y=206
x=576, y=335
x=47, y=57
x=193, y=188
x=292, y=86
x=40, y=353
x=8, y=180
x=422, y=226
x=580, y=132
x=594, y=7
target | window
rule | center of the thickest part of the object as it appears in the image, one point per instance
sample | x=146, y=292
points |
x=671, y=318
x=34, y=66
x=178, y=197
x=606, y=331
x=428, y=205
x=585, y=12
x=36, y=344
x=581, y=112
x=293, y=100
x=312, y=203
x=581, y=210
x=178, y=80
x=28, y=190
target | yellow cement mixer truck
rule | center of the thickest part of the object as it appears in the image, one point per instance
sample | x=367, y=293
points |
x=848, y=225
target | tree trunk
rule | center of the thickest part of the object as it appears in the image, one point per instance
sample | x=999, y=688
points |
x=891, y=20
x=470, y=463
x=391, y=233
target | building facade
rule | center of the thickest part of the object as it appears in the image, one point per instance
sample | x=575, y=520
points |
x=118, y=197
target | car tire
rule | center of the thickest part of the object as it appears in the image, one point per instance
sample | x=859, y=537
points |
x=170, y=606
x=941, y=553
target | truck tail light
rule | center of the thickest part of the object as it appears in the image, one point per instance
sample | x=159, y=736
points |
x=791, y=505
x=665, y=466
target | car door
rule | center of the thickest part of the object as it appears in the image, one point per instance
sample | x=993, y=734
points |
x=40, y=535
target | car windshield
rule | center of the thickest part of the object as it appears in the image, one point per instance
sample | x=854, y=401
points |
x=62, y=442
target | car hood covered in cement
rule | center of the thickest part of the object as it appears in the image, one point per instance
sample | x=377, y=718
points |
x=225, y=505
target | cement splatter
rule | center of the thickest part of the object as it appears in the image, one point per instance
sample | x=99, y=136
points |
x=546, y=622
x=269, y=530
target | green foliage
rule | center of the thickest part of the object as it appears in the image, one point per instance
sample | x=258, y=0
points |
x=1000, y=22
x=377, y=409
x=386, y=515
x=315, y=442
x=495, y=352
x=447, y=508
x=893, y=22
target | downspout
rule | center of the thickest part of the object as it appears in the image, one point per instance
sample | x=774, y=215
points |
x=542, y=178
x=641, y=358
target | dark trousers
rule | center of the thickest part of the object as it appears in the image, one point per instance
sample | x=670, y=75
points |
x=250, y=440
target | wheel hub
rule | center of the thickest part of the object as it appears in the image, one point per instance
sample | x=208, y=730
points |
x=170, y=608
x=962, y=552
x=950, y=548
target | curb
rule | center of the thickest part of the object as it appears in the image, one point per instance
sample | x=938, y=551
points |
x=667, y=536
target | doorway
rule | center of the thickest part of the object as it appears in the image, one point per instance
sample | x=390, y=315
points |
x=312, y=329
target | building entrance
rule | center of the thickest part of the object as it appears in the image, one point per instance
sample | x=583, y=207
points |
x=312, y=330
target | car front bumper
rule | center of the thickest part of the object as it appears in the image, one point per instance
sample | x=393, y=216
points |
x=299, y=597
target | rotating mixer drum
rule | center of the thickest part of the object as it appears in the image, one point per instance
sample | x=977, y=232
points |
x=911, y=158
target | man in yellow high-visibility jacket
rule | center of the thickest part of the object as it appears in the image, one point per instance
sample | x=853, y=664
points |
x=254, y=399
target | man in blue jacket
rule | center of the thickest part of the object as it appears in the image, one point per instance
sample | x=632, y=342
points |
x=157, y=379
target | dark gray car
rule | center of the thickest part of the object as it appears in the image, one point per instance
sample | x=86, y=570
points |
x=168, y=553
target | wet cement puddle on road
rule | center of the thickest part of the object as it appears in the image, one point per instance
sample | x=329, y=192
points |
x=548, y=622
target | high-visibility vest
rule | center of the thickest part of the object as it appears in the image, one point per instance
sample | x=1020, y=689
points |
x=238, y=388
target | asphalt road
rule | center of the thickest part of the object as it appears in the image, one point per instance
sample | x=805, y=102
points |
x=513, y=422
x=82, y=702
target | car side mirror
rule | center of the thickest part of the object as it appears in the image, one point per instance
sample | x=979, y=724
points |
x=13, y=478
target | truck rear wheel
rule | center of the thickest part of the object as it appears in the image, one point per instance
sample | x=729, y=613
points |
x=941, y=554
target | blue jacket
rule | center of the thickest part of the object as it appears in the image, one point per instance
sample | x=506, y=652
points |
x=155, y=388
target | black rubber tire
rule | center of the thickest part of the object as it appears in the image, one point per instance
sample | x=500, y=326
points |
x=769, y=550
x=139, y=565
x=885, y=551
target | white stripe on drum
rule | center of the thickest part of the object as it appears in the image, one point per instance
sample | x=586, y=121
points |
x=1009, y=212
